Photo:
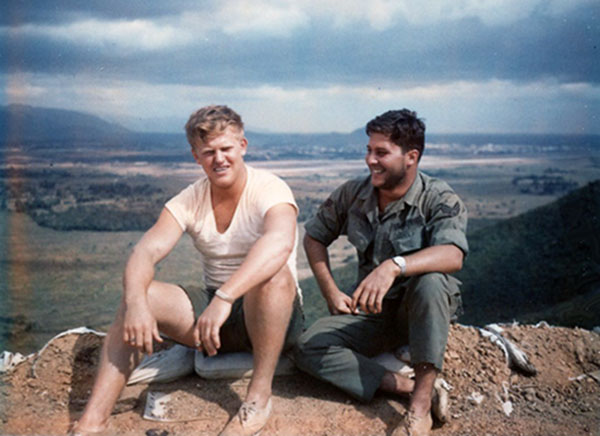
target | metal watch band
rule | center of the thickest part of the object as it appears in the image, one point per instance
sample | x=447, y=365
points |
x=223, y=296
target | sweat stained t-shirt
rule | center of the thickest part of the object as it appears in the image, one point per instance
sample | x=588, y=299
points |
x=223, y=253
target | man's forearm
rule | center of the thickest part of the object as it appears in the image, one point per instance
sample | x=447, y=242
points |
x=268, y=254
x=137, y=277
x=440, y=258
x=318, y=259
x=266, y=257
x=154, y=246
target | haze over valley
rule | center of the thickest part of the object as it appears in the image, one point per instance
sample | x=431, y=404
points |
x=77, y=193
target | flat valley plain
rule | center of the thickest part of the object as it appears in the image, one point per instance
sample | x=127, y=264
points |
x=53, y=280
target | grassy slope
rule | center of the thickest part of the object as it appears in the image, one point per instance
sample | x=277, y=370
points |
x=536, y=261
x=544, y=264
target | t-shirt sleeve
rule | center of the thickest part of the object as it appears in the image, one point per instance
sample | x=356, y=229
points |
x=273, y=191
x=330, y=220
x=182, y=206
x=447, y=223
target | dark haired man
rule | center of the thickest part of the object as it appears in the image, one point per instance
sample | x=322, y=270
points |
x=409, y=233
x=243, y=222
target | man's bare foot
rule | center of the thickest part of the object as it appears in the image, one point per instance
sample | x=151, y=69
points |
x=78, y=430
x=414, y=425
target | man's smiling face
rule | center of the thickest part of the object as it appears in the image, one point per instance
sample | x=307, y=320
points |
x=387, y=162
x=222, y=157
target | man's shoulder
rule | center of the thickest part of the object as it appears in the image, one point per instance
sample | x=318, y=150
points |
x=195, y=189
x=434, y=185
x=356, y=186
x=437, y=193
x=261, y=175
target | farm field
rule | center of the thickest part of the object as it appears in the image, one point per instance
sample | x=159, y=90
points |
x=52, y=280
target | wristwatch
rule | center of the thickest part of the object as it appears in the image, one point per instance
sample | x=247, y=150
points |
x=401, y=262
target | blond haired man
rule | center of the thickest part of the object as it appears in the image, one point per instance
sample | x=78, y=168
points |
x=243, y=223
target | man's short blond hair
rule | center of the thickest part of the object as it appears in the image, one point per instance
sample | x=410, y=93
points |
x=211, y=121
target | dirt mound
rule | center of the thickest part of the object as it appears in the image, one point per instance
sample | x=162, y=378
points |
x=45, y=393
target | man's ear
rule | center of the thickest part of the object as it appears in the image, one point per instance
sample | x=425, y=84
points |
x=196, y=154
x=412, y=157
x=244, y=145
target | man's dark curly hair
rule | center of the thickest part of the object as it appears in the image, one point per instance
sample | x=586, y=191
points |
x=402, y=127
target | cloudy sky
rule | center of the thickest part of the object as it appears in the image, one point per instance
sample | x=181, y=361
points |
x=310, y=66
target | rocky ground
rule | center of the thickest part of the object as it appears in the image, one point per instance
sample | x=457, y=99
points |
x=45, y=393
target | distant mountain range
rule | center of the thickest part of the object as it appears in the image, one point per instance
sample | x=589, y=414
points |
x=21, y=123
x=542, y=265
x=27, y=126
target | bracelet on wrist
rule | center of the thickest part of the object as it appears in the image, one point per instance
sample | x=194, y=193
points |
x=223, y=296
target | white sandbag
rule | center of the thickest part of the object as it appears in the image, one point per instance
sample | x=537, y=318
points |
x=239, y=365
x=515, y=357
x=164, y=366
x=9, y=361
x=234, y=365
x=393, y=363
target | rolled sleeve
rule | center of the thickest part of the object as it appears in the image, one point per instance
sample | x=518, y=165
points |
x=330, y=219
x=448, y=222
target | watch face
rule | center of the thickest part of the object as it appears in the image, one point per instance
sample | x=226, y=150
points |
x=399, y=260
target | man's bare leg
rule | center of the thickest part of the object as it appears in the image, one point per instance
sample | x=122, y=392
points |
x=397, y=384
x=267, y=312
x=420, y=399
x=418, y=421
x=173, y=311
x=420, y=389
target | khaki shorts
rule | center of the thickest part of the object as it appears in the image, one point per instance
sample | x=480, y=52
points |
x=234, y=336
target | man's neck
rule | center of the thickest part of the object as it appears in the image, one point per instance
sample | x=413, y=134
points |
x=231, y=193
x=387, y=196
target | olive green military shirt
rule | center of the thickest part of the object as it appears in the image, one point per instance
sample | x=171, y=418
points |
x=429, y=214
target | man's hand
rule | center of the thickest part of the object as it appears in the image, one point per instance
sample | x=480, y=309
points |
x=370, y=292
x=140, y=327
x=208, y=326
x=338, y=302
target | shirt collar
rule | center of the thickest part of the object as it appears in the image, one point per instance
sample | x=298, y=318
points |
x=367, y=190
x=369, y=200
x=411, y=197
x=414, y=192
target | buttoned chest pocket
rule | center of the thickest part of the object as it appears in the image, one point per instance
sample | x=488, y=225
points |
x=359, y=231
x=407, y=240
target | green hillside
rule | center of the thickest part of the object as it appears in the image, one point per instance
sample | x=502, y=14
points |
x=537, y=261
x=542, y=265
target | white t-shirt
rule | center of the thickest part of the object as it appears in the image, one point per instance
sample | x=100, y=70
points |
x=223, y=253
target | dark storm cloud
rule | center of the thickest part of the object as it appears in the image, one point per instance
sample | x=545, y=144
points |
x=539, y=47
x=20, y=12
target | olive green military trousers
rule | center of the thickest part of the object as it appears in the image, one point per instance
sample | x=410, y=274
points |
x=337, y=349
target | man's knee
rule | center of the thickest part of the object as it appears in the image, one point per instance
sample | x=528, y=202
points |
x=281, y=283
x=316, y=340
x=431, y=288
x=305, y=348
x=119, y=319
